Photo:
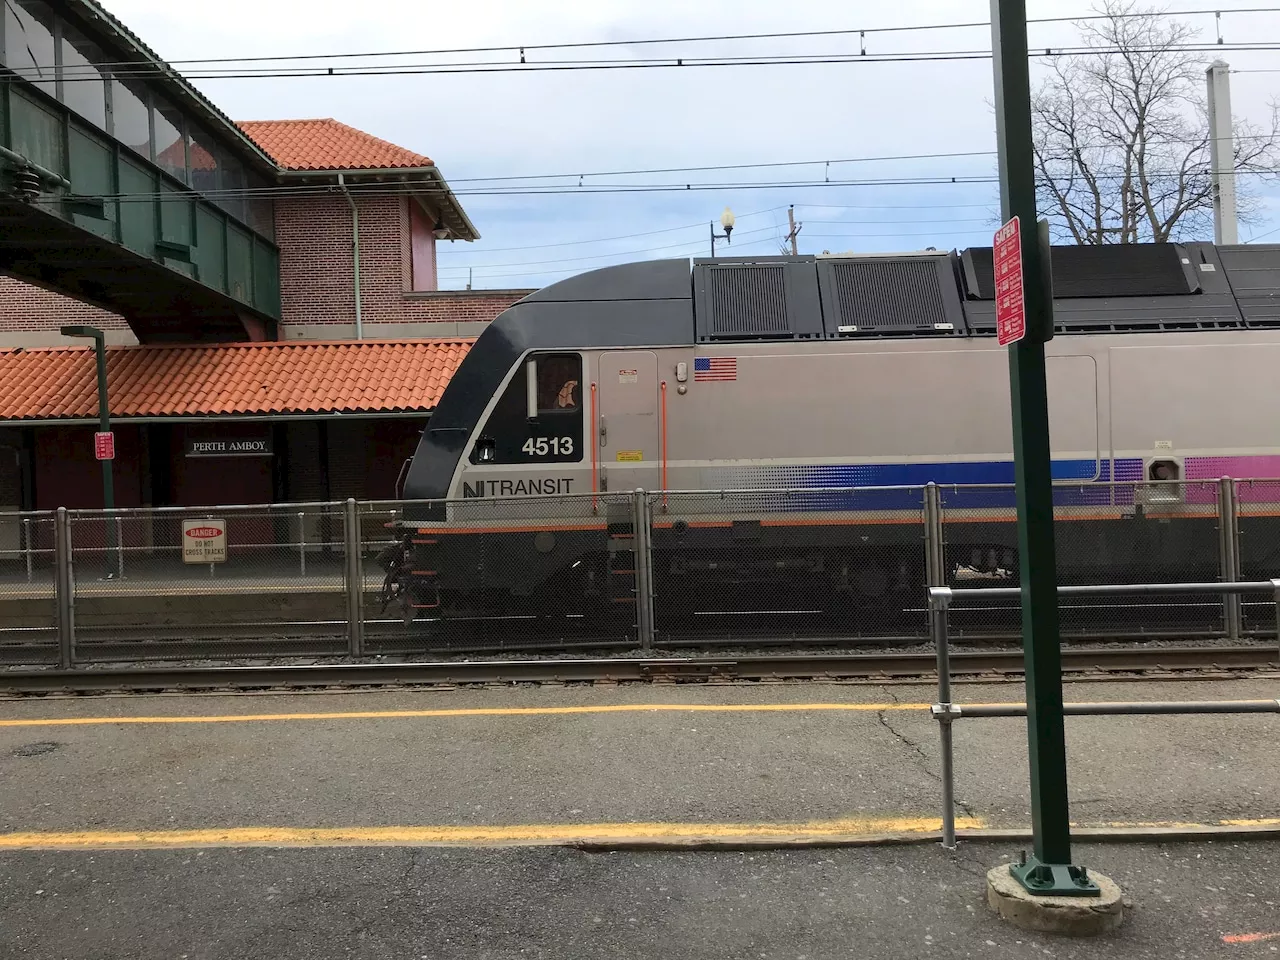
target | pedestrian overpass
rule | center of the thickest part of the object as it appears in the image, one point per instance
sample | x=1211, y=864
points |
x=122, y=186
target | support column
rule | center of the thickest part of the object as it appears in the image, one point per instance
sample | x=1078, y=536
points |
x=352, y=543
x=1222, y=159
x=1049, y=870
x=1229, y=555
x=64, y=589
x=642, y=556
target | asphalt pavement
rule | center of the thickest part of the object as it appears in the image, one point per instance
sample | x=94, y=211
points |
x=890, y=903
x=425, y=823
x=876, y=758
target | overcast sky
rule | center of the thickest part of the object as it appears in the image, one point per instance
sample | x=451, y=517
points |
x=582, y=122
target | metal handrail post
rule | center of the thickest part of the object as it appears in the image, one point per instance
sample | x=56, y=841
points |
x=119, y=546
x=1228, y=554
x=1275, y=591
x=26, y=539
x=935, y=564
x=63, y=589
x=646, y=506
x=943, y=712
x=302, y=544
x=351, y=541
x=641, y=557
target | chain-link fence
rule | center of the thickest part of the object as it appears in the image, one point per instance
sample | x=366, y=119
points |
x=508, y=574
x=208, y=582
x=1104, y=533
x=1256, y=508
x=622, y=570
x=28, y=593
x=780, y=566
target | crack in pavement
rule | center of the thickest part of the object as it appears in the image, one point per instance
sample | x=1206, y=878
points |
x=963, y=864
x=923, y=760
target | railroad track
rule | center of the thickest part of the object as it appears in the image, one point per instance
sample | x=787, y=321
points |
x=978, y=665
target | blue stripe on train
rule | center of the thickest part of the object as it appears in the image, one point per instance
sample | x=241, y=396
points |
x=956, y=479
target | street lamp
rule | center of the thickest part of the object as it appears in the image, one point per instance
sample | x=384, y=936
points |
x=104, y=427
x=726, y=221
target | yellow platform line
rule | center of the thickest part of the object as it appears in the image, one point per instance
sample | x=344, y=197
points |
x=1255, y=823
x=530, y=834
x=855, y=830
x=476, y=712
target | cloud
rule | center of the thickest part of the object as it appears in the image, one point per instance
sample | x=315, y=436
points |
x=579, y=122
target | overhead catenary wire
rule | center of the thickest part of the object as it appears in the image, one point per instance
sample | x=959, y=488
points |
x=461, y=272
x=134, y=71
x=485, y=251
x=252, y=193
x=525, y=48
x=615, y=253
x=775, y=229
x=683, y=63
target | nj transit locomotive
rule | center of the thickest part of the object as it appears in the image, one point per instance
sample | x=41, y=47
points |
x=811, y=373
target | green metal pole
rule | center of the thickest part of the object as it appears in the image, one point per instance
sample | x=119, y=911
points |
x=108, y=477
x=1049, y=871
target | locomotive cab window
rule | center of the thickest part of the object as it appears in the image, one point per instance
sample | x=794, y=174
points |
x=539, y=418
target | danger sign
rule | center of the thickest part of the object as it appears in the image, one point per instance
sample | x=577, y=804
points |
x=204, y=541
x=1011, y=306
x=104, y=445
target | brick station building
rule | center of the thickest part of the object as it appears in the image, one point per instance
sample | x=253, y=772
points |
x=313, y=329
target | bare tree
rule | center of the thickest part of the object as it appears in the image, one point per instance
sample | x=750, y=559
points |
x=1122, y=134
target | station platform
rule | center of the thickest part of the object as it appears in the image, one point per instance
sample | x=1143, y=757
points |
x=775, y=820
x=151, y=579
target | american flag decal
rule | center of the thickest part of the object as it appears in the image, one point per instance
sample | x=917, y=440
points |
x=706, y=369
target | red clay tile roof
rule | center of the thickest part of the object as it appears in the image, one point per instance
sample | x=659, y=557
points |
x=327, y=145
x=229, y=379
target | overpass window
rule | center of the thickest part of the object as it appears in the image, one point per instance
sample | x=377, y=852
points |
x=84, y=89
x=129, y=123
x=202, y=157
x=171, y=145
x=231, y=184
x=28, y=43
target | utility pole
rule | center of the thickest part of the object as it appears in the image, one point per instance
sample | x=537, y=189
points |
x=791, y=235
x=104, y=430
x=1222, y=153
x=1049, y=871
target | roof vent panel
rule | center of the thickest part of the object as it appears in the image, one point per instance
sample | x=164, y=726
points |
x=890, y=296
x=769, y=298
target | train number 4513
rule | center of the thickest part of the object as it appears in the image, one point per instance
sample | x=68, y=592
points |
x=560, y=446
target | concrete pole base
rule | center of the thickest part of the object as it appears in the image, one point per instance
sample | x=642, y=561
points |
x=1068, y=916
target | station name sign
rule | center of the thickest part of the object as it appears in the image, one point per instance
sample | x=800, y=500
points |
x=230, y=447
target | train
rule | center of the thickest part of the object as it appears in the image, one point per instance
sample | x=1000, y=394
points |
x=760, y=397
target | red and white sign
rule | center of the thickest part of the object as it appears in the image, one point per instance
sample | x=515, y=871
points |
x=1011, y=305
x=204, y=541
x=104, y=445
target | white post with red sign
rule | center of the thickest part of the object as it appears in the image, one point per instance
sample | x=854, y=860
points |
x=1011, y=303
x=204, y=541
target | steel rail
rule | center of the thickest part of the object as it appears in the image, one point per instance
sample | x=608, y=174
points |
x=620, y=670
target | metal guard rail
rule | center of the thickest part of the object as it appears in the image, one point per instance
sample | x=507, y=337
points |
x=946, y=712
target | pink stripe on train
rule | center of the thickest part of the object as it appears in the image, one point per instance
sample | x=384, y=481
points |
x=1238, y=468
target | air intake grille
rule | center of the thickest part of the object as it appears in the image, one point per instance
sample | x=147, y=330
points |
x=888, y=294
x=747, y=301
x=1092, y=272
